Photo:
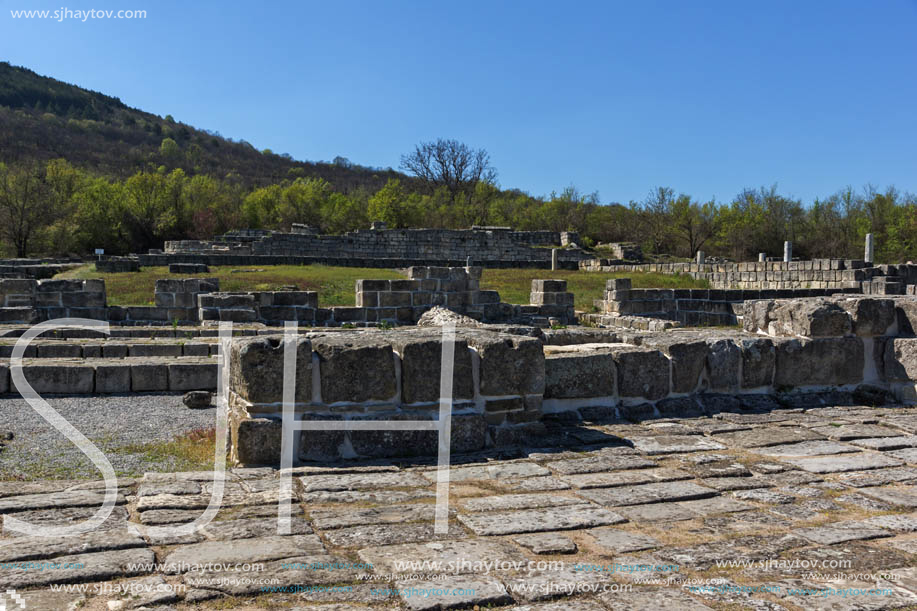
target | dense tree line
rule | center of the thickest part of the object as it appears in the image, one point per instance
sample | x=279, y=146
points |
x=80, y=170
x=56, y=208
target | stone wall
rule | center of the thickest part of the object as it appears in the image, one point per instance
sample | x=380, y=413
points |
x=689, y=307
x=30, y=301
x=839, y=274
x=488, y=246
x=376, y=375
x=825, y=351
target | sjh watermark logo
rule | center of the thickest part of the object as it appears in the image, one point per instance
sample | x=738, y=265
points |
x=14, y=598
x=443, y=426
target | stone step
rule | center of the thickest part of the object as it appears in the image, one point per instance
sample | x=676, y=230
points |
x=131, y=374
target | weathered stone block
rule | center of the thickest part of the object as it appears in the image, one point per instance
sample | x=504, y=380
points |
x=724, y=359
x=256, y=441
x=192, y=376
x=549, y=286
x=63, y=379
x=394, y=300
x=579, y=375
x=421, y=367
x=870, y=316
x=149, y=377
x=812, y=318
x=237, y=315
x=256, y=369
x=468, y=435
x=355, y=367
x=901, y=359
x=642, y=373
x=758, y=360
x=688, y=357
x=366, y=286
x=822, y=361
x=155, y=350
x=509, y=365
x=196, y=349
x=114, y=351
x=618, y=284
x=113, y=378
x=59, y=351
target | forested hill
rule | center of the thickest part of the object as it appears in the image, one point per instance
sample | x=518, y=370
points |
x=42, y=118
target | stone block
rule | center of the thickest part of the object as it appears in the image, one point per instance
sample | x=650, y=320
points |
x=688, y=357
x=366, y=286
x=298, y=298
x=487, y=297
x=421, y=367
x=355, y=368
x=256, y=369
x=618, y=284
x=758, y=361
x=147, y=313
x=509, y=365
x=59, y=351
x=574, y=375
x=114, y=351
x=468, y=435
x=397, y=286
x=906, y=310
x=113, y=378
x=394, y=300
x=642, y=373
x=226, y=300
x=164, y=300
x=901, y=359
x=256, y=441
x=154, y=350
x=349, y=314
x=549, y=286
x=192, y=376
x=237, y=315
x=367, y=300
x=60, y=378
x=870, y=316
x=4, y=379
x=812, y=318
x=92, y=351
x=195, y=349
x=724, y=360
x=819, y=362
x=149, y=377
x=83, y=300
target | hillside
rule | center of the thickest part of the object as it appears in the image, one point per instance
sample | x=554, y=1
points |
x=42, y=118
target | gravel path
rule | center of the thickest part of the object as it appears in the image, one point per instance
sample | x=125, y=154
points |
x=37, y=450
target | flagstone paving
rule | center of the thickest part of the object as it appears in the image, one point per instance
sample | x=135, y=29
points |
x=786, y=510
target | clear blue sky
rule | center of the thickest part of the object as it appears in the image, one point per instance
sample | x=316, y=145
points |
x=705, y=97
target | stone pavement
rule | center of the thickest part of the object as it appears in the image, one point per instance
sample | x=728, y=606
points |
x=783, y=509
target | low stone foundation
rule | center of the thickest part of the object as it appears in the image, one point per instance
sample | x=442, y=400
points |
x=506, y=383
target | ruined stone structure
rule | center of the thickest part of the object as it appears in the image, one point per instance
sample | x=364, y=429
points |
x=487, y=246
x=625, y=306
x=506, y=383
x=194, y=300
x=847, y=275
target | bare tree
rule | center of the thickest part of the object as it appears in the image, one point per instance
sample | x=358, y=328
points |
x=450, y=164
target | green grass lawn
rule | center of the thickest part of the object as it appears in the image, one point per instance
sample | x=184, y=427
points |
x=335, y=285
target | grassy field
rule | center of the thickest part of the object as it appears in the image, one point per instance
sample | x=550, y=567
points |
x=335, y=285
